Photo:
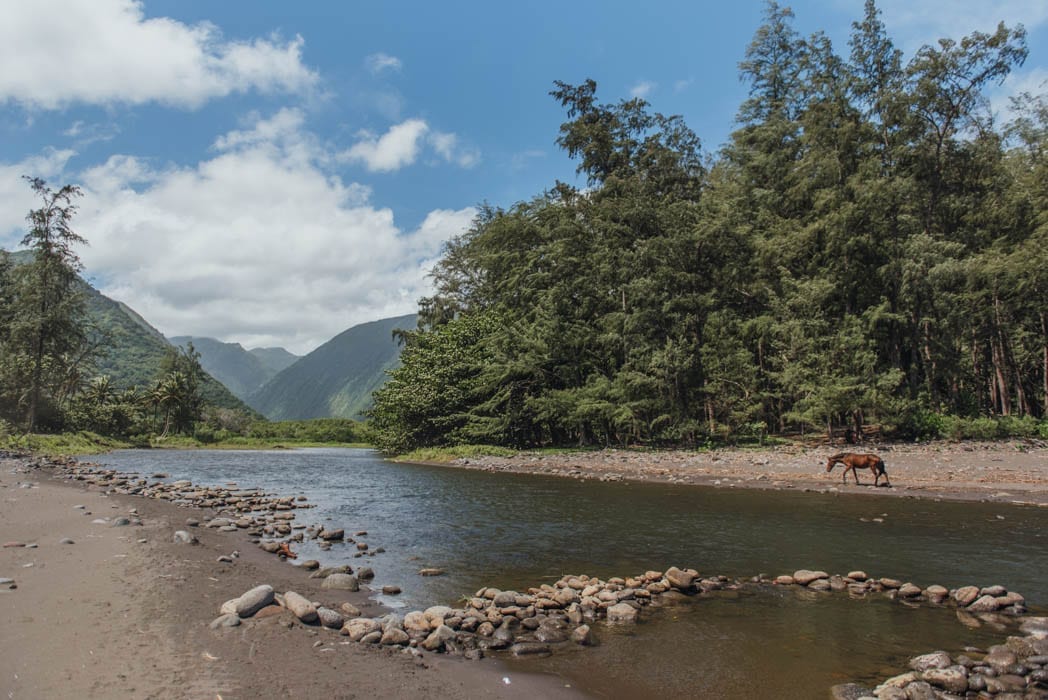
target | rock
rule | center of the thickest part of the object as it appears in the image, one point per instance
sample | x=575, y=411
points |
x=270, y=547
x=890, y=583
x=622, y=612
x=372, y=637
x=300, y=607
x=332, y=535
x=804, y=577
x=365, y=573
x=583, y=635
x=437, y=638
x=341, y=582
x=436, y=615
x=986, y=603
x=857, y=576
x=681, y=580
x=966, y=595
x=1035, y=626
x=920, y=690
x=225, y=559
x=935, y=591
x=310, y=565
x=785, y=580
x=1000, y=657
x=394, y=637
x=120, y=522
x=332, y=619
x=416, y=624
x=954, y=679
x=254, y=600
x=431, y=572
x=909, y=590
x=349, y=610
x=357, y=628
x=229, y=607
x=849, y=691
x=995, y=591
x=226, y=620
x=66, y=540
x=530, y=649
x=391, y=590
x=183, y=537
x=14, y=545
x=819, y=584
x=936, y=659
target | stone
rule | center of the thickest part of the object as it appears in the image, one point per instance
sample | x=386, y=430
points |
x=120, y=522
x=437, y=638
x=226, y=620
x=332, y=619
x=391, y=590
x=300, y=607
x=332, y=535
x=1000, y=657
x=966, y=595
x=530, y=649
x=229, y=607
x=583, y=635
x=804, y=577
x=920, y=690
x=954, y=679
x=890, y=583
x=416, y=624
x=365, y=573
x=183, y=537
x=66, y=540
x=1035, y=626
x=622, y=612
x=785, y=580
x=849, y=691
x=431, y=572
x=394, y=637
x=349, y=610
x=372, y=637
x=681, y=580
x=254, y=600
x=986, y=603
x=820, y=584
x=909, y=590
x=936, y=659
x=310, y=565
x=995, y=591
x=357, y=628
x=857, y=576
x=341, y=582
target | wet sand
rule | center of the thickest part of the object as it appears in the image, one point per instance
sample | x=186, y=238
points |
x=110, y=616
x=1009, y=472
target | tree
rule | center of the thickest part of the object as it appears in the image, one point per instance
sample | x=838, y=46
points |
x=48, y=336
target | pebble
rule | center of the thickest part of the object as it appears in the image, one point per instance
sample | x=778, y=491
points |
x=66, y=540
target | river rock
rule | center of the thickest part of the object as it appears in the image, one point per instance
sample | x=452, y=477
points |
x=183, y=537
x=437, y=638
x=953, y=679
x=1035, y=626
x=365, y=573
x=850, y=691
x=920, y=690
x=332, y=619
x=341, y=582
x=120, y=522
x=300, y=607
x=909, y=590
x=66, y=540
x=785, y=580
x=804, y=577
x=226, y=620
x=349, y=610
x=995, y=591
x=530, y=649
x=391, y=590
x=966, y=595
x=416, y=624
x=505, y=599
x=622, y=612
x=583, y=635
x=332, y=535
x=986, y=603
x=254, y=600
x=1000, y=657
x=682, y=580
x=310, y=565
x=436, y=615
x=820, y=584
x=857, y=575
x=372, y=637
x=936, y=659
x=357, y=628
x=270, y=547
x=394, y=636
x=431, y=571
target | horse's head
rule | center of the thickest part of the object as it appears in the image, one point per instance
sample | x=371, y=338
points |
x=830, y=463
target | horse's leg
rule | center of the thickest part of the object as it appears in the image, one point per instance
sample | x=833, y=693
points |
x=855, y=473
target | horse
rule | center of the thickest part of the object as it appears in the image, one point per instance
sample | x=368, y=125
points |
x=285, y=551
x=854, y=461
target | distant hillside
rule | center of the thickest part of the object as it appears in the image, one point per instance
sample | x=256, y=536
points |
x=133, y=349
x=336, y=379
x=242, y=371
x=275, y=359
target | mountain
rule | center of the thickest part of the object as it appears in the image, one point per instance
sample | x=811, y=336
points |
x=242, y=371
x=336, y=379
x=133, y=349
x=275, y=359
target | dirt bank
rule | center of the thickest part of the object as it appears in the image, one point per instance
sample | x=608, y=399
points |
x=1013, y=472
x=100, y=610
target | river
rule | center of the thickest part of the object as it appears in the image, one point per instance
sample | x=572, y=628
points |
x=515, y=531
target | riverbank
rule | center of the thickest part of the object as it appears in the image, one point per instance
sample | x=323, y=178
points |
x=1013, y=471
x=137, y=605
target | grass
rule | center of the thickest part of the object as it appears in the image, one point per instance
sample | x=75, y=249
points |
x=63, y=444
x=450, y=454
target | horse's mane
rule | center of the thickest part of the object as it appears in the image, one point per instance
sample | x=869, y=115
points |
x=839, y=456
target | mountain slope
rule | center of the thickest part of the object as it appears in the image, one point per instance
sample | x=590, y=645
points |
x=275, y=359
x=241, y=371
x=336, y=379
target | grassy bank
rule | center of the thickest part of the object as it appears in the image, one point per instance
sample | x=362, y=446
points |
x=64, y=444
x=450, y=454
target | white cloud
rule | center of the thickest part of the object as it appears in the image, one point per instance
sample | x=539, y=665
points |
x=379, y=62
x=392, y=151
x=58, y=52
x=914, y=23
x=259, y=244
x=1033, y=81
x=643, y=89
x=448, y=147
x=16, y=195
x=682, y=85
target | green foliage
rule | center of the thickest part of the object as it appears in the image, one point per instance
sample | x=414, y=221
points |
x=450, y=454
x=318, y=430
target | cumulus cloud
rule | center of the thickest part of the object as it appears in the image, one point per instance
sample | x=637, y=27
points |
x=18, y=199
x=914, y=23
x=381, y=62
x=59, y=52
x=393, y=150
x=642, y=89
x=451, y=150
x=259, y=243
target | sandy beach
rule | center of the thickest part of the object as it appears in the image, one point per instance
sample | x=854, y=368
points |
x=101, y=610
x=123, y=612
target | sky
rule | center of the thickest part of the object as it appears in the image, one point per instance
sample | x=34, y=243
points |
x=271, y=173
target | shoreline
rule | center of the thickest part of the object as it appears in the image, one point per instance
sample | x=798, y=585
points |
x=1013, y=472
x=123, y=611
x=272, y=637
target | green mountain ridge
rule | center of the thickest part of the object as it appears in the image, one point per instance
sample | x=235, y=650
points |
x=275, y=359
x=241, y=371
x=337, y=379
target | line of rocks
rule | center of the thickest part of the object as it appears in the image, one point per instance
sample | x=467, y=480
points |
x=1015, y=670
x=972, y=599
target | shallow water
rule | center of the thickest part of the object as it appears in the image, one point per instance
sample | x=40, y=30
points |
x=515, y=531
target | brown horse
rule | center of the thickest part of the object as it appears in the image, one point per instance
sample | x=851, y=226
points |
x=854, y=461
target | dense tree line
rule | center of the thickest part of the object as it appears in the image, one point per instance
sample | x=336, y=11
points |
x=871, y=246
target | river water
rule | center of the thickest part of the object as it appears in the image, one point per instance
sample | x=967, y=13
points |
x=515, y=531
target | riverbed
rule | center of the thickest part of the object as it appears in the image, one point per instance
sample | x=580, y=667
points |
x=515, y=531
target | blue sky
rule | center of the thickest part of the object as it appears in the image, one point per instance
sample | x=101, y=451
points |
x=274, y=172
